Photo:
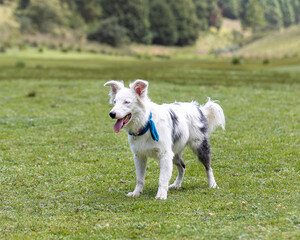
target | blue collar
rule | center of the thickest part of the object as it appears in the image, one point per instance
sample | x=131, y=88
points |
x=149, y=125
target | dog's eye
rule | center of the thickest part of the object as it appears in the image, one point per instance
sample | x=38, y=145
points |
x=115, y=101
x=126, y=102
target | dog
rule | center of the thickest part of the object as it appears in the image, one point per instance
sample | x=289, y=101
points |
x=163, y=131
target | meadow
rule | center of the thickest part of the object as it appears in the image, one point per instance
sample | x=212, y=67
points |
x=64, y=172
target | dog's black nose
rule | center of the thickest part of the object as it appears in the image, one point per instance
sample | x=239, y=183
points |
x=112, y=114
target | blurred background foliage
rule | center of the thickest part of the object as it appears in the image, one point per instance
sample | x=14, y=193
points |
x=159, y=22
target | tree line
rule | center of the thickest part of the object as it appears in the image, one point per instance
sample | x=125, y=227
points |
x=164, y=22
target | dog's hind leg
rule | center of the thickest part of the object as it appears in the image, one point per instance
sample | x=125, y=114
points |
x=140, y=164
x=203, y=152
x=181, y=168
x=165, y=173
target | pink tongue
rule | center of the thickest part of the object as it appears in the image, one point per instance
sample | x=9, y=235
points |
x=118, y=125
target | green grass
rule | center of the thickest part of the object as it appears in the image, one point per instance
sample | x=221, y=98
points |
x=284, y=42
x=64, y=172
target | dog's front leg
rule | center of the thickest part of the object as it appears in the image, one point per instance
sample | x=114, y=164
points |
x=140, y=165
x=166, y=167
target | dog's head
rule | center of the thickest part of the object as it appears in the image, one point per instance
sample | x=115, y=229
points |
x=127, y=101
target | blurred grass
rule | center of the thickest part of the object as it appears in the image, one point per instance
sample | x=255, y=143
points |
x=65, y=173
x=72, y=66
x=283, y=43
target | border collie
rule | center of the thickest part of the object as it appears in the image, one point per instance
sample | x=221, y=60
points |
x=163, y=131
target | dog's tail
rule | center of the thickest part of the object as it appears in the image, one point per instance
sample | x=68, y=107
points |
x=214, y=115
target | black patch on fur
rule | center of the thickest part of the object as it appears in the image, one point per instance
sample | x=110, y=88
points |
x=204, y=153
x=176, y=134
x=182, y=163
x=178, y=161
x=202, y=120
x=204, y=130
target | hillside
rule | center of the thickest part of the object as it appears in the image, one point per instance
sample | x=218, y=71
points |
x=283, y=43
x=218, y=39
x=277, y=44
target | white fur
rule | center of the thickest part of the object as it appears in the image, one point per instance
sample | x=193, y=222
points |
x=135, y=101
x=214, y=114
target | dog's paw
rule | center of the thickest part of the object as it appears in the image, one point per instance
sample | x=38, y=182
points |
x=174, y=185
x=214, y=185
x=161, y=194
x=133, y=194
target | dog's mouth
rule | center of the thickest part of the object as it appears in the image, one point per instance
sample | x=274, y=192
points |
x=121, y=123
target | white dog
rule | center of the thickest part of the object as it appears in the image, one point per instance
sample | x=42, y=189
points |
x=163, y=131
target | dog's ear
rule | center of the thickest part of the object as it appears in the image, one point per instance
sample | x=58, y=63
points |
x=116, y=86
x=140, y=87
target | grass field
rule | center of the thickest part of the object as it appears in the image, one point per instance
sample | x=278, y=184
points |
x=64, y=172
x=284, y=42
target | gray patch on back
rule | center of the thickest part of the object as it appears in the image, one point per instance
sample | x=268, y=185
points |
x=203, y=121
x=176, y=134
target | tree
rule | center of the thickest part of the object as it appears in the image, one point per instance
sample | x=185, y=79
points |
x=44, y=15
x=273, y=13
x=254, y=15
x=214, y=14
x=208, y=13
x=242, y=8
x=229, y=8
x=287, y=12
x=90, y=10
x=110, y=32
x=131, y=14
x=296, y=7
x=23, y=4
x=202, y=13
x=186, y=21
x=162, y=22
